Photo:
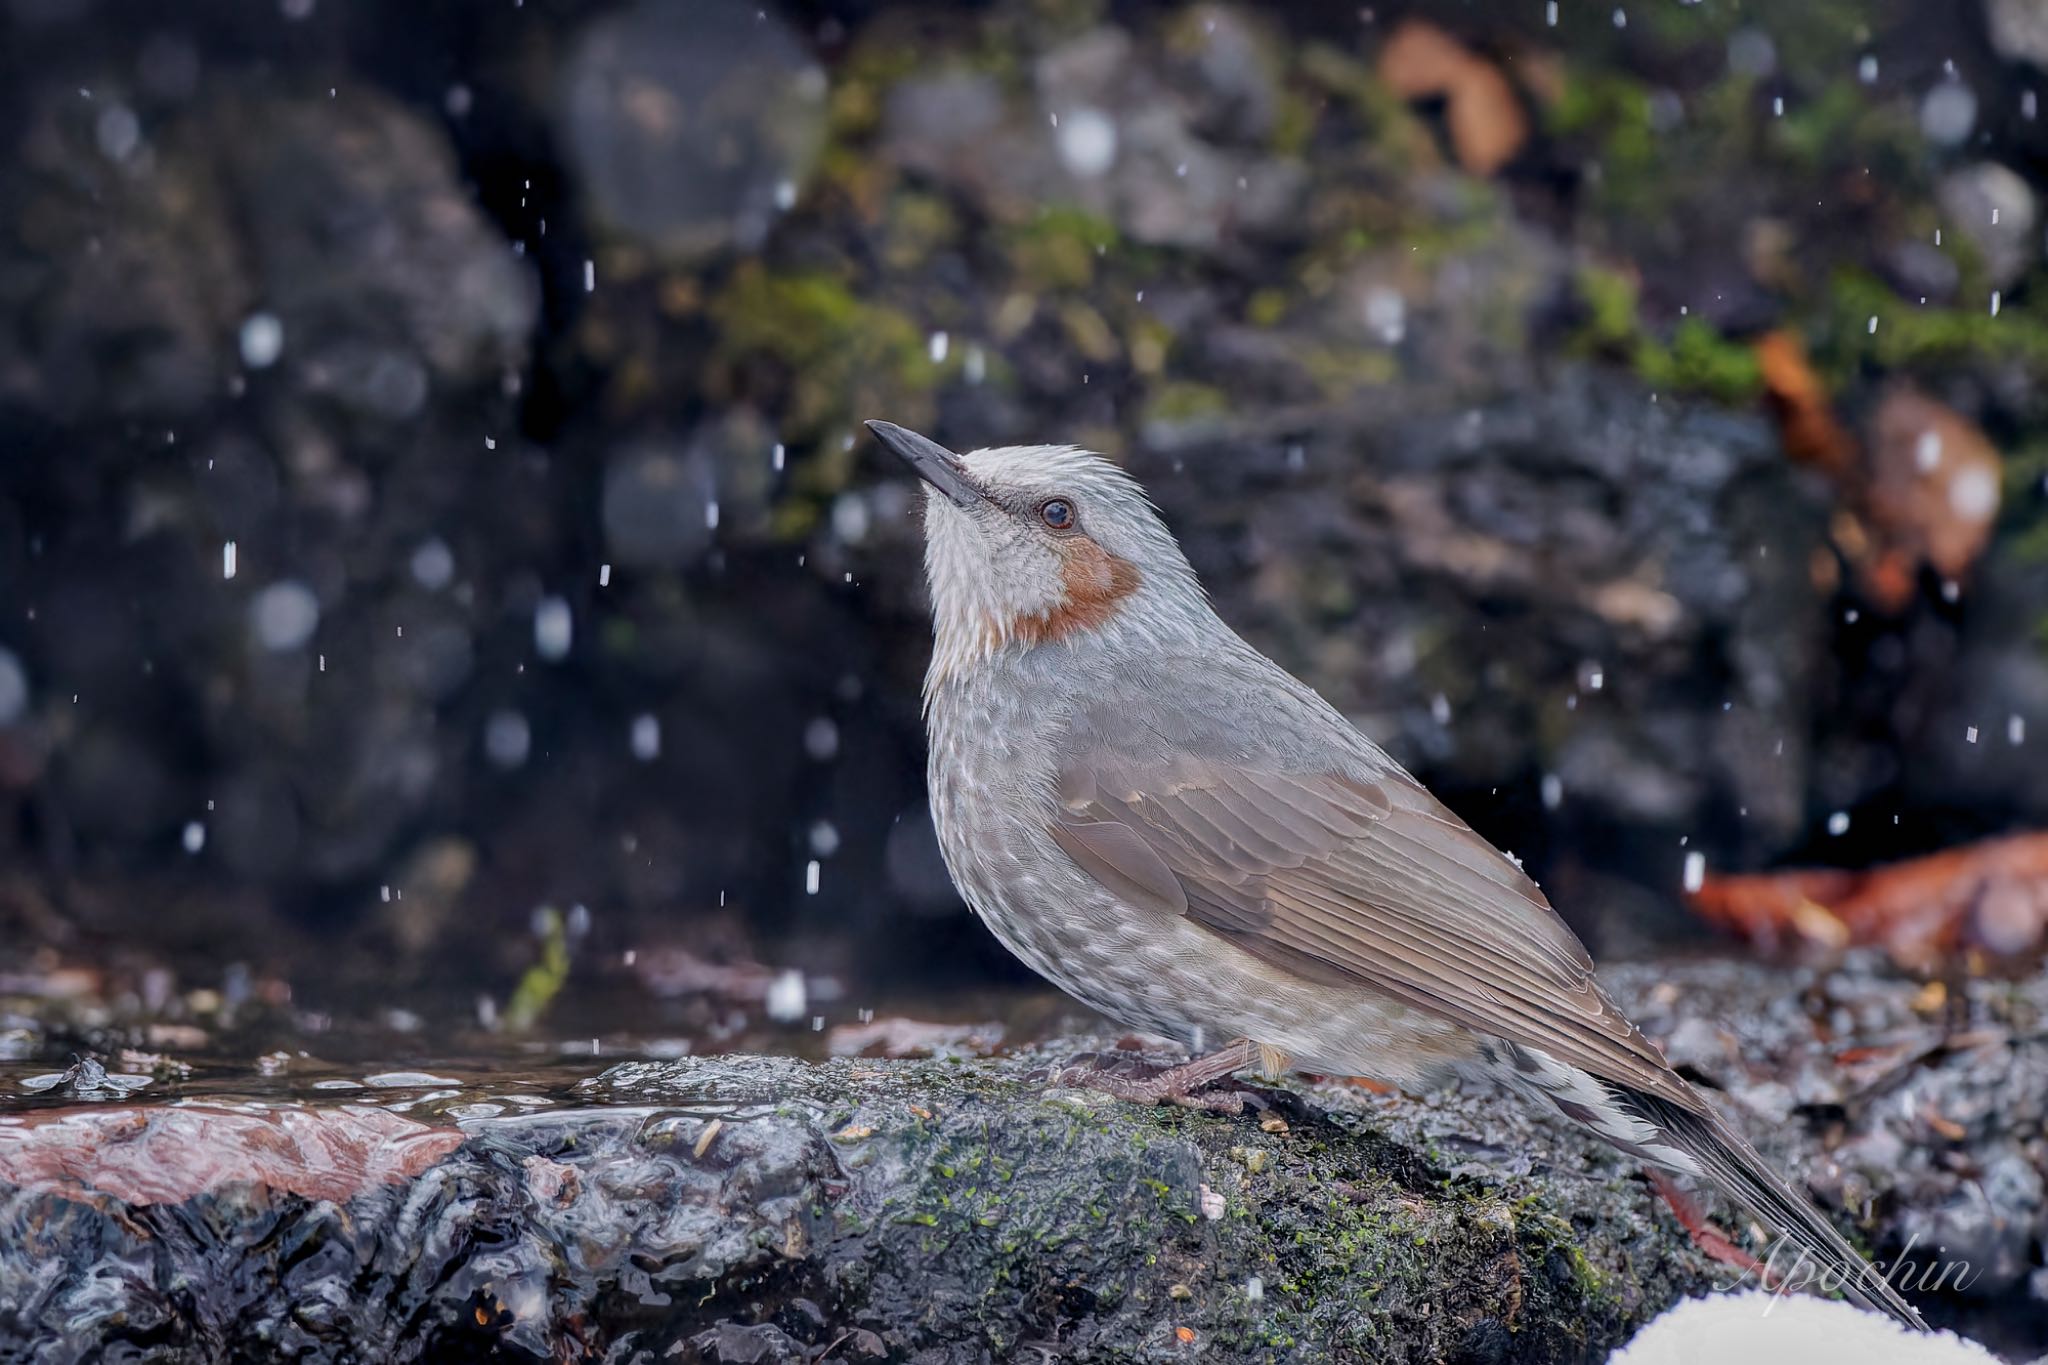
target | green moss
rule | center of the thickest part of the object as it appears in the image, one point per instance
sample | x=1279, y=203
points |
x=1616, y=111
x=1916, y=335
x=2024, y=515
x=1058, y=249
x=1180, y=400
x=1611, y=299
x=919, y=226
x=1266, y=307
x=544, y=980
x=1392, y=132
x=1696, y=358
x=835, y=352
x=1699, y=359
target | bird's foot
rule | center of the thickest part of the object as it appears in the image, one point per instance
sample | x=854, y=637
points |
x=1717, y=1245
x=1179, y=1085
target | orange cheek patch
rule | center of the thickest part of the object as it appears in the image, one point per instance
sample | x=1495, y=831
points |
x=1095, y=581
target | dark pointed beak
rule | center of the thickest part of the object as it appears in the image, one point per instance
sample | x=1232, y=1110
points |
x=932, y=462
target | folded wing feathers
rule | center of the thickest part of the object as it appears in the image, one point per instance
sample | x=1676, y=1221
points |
x=1374, y=880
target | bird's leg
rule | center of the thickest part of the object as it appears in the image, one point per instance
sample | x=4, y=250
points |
x=1177, y=1084
x=1717, y=1245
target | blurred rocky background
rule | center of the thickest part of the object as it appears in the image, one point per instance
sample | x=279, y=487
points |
x=437, y=552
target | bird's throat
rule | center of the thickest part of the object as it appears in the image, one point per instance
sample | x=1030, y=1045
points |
x=1093, y=586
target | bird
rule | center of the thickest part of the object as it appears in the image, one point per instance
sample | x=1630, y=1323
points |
x=1184, y=837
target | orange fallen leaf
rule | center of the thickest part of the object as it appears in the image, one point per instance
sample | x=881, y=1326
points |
x=1806, y=416
x=1989, y=898
x=1485, y=119
x=1923, y=490
x=168, y=1155
x=1932, y=481
x=1942, y=1124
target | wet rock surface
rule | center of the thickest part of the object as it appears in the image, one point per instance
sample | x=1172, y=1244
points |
x=957, y=1208
x=765, y=1209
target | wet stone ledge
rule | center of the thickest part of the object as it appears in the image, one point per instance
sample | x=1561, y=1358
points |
x=940, y=1210
x=761, y=1209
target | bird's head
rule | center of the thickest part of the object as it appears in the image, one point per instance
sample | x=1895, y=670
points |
x=1038, y=545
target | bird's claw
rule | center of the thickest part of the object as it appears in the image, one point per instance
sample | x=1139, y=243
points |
x=1185, y=1086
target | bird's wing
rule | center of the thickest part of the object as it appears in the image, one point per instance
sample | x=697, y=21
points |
x=1354, y=880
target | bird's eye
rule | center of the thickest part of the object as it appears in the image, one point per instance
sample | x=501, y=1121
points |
x=1057, y=513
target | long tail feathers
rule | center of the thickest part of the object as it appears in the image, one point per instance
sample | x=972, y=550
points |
x=1725, y=1159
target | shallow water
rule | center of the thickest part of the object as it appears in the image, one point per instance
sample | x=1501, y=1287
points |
x=443, y=1072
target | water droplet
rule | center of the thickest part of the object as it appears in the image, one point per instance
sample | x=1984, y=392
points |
x=284, y=615
x=1087, y=143
x=553, y=629
x=1927, y=451
x=821, y=739
x=262, y=340
x=433, y=564
x=507, y=739
x=787, y=998
x=646, y=739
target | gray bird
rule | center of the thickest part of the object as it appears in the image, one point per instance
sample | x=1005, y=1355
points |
x=1175, y=831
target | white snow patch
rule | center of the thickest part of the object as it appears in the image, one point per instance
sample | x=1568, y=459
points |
x=1757, y=1328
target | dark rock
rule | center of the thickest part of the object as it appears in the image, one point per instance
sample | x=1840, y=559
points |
x=762, y=1208
x=1937, y=1112
x=1173, y=154
x=692, y=127
x=1995, y=210
x=2019, y=30
x=325, y=236
x=752, y=1207
x=765, y=1210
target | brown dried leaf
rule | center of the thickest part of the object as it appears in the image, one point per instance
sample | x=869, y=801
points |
x=1806, y=417
x=1989, y=898
x=1933, y=481
x=1486, y=122
x=168, y=1155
